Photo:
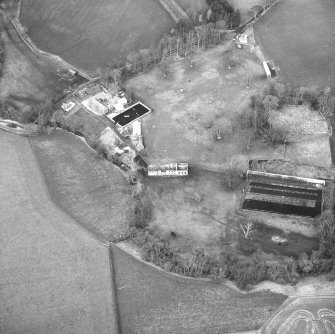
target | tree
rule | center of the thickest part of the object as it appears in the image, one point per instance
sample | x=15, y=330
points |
x=270, y=102
x=323, y=98
x=255, y=11
x=247, y=229
x=116, y=74
x=256, y=104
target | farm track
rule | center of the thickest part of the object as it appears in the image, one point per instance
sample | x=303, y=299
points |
x=175, y=11
x=29, y=43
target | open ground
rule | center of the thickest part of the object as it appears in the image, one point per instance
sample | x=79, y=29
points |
x=190, y=104
x=90, y=189
x=55, y=278
x=149, y=300
x=187, y=108
x=152, y=301
x=27, y=79
x=89, y=34
x=298, y=35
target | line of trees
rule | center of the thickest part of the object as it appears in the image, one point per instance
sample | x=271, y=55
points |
x=242, y=269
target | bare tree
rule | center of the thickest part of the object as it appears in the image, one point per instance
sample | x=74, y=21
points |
x=248, y=230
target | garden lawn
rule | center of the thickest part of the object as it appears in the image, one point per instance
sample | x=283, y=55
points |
x=299, y=36
x=91, y=190
x=91, y=34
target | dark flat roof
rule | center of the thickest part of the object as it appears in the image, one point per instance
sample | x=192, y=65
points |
x=135, y=111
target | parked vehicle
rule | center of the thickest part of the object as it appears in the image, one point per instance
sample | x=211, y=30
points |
x=279, y=240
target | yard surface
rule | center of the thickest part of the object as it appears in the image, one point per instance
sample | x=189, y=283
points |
x=91, y=190
x=54, y=277
x=153, y=302
x=298, y=35
x=91, y=34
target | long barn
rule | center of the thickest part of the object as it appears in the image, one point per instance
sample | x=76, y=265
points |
x=283, y=194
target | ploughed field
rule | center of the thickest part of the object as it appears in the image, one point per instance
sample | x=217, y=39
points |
x=299, y=36
x=94, y=33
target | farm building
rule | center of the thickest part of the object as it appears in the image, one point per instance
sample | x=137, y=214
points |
x=173, y=169
x=94, y=106
x=132, y=113
x=283, y=194
x=241, y=40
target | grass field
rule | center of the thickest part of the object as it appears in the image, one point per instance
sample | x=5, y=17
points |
x=89, y=34
x=91, y=190
x=54, y=277
x=182, y=124
x=27, y=79
x=194, y=208
x=299, y=36
x=153, y=302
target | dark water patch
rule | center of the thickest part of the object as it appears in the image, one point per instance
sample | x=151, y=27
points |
x=297, y=243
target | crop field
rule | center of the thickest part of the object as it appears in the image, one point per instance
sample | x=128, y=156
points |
x=298, y=35
x=27, y=79
x=91, y=34
x=303, y=315
x=151, y=301
x=55, y=278
x=90, y=189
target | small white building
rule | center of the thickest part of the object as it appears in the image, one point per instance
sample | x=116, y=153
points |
x=266, y=69
x=67, y=106
x=173, y=169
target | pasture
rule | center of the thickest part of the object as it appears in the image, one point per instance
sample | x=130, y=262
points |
x=298, y=35
x=192, y=103
x=27, y=79
x=91, y=190
x=92, y=34
x=55, y=278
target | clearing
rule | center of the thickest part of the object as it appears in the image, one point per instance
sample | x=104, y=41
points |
x=92, y=34
x=298, y=35
x=55, y=278
x=191, y=104
x=91, y=190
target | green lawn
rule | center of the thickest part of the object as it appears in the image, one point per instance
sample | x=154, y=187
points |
x=93, y=33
